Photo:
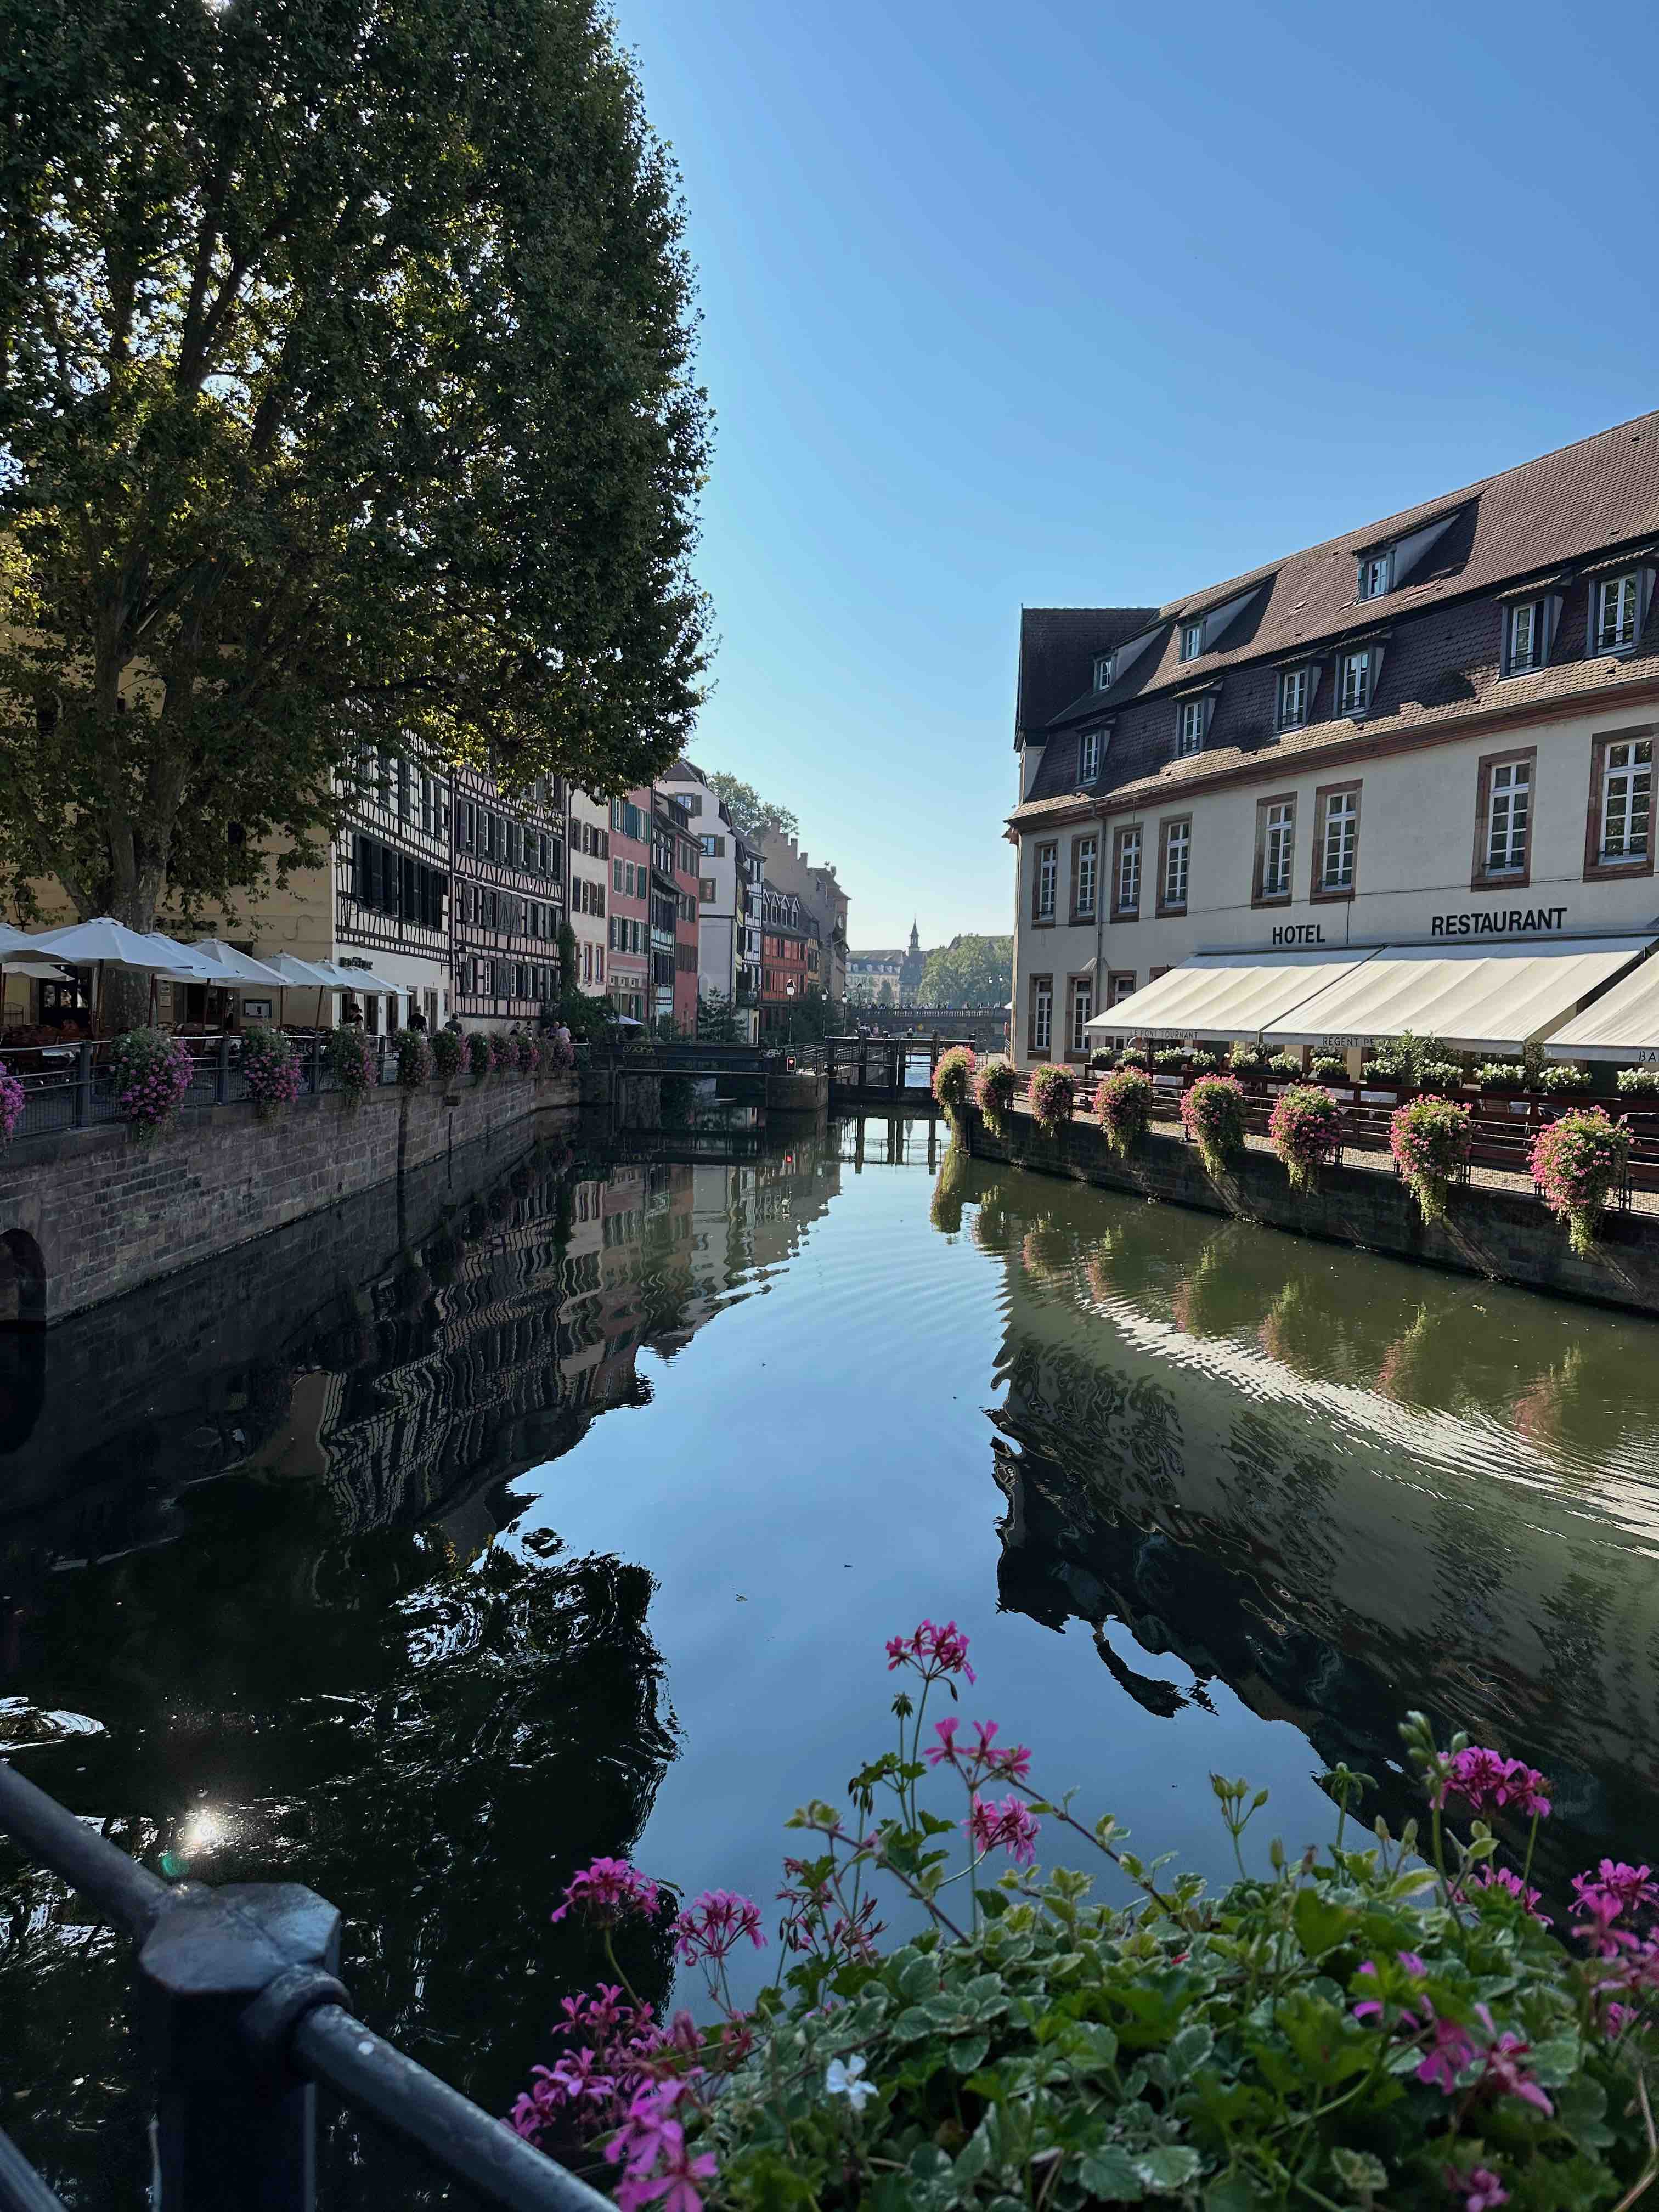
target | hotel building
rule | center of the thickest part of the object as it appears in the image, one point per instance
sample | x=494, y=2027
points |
x=1434, y=730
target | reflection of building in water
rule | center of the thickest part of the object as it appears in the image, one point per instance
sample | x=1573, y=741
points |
x=1222, y=1455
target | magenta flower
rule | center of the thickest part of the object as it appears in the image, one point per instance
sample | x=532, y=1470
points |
x=715, y=1925
x=1009, y=1826
x=945, y=1731
x=1505, y=2073
x=1495, y=1877
x=1479, y=2188
x=1451, y=2050
x=933, y=1649
x=1633, y=1885
x=610, y=1890
x=1488, y=1782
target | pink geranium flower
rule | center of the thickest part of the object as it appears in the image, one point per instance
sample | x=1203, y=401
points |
x=610, y=1890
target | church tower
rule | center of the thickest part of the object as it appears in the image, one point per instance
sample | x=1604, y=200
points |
x=910, y=974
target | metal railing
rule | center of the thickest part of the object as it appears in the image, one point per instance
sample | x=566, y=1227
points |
x=74, y=1086
x=889, y=1066
x=238, y=2000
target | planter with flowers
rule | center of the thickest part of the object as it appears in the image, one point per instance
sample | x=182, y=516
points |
x=270, y=1070
x=997, y=1085
x=413, y=1060
x=1578, y=1163
x=501, y=1050
x=560, y=1051
x=1053, y=1094
x=352, y=1064
x=1123, y=1108
x=1430, y=1140
x=479, y=1059
x=526, y=1054
x=13, y=1099
x=446, y=1051
x=1213, y=1115
x=1306, y=1129
x=153, y=1076
x=953, y=1077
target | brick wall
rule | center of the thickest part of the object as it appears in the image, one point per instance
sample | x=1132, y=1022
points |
x=107, y=1213
x=1508, y=1236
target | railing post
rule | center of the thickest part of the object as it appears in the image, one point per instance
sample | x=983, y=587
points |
x=81, y=1113
x=222, y=1080
x=235, y=2126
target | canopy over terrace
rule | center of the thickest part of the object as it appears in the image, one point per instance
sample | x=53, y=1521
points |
x=1473, y=998
x=1226, y=995
x=1623, y=1024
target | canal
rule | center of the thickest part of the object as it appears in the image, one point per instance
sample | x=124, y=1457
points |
x=563, y=1504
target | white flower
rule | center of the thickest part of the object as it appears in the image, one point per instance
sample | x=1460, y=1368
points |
x=843, y=2081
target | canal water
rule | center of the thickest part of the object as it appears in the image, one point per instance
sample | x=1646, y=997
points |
x=564, y=1505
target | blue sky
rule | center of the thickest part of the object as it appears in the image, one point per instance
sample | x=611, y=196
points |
x=1061, y=304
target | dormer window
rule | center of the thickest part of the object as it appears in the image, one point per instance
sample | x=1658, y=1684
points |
x=1192, y=640
x=1356, y=680
x=1088, y=755
x=1618, y=600
x=1376, y=575
x=1522, y=647
x=1193, y=723
x=1105, y=666
x=1295, y=696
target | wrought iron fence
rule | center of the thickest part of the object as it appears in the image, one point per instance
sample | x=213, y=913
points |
x=238, y=2000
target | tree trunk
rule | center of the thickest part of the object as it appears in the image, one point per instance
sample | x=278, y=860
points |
x=125, y=1001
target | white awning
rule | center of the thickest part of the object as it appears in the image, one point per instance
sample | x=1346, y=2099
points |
x=1473, y=998
x=1623, y=1024
x=1226, y=995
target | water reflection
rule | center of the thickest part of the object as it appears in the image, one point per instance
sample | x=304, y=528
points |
x=1341, y=1486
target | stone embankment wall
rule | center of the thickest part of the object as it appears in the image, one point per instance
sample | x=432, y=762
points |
x=1508, y=1236
x=95, y=1212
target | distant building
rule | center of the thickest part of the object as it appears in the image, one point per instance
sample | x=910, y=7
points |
x=590, y=888
x=788, y=869
x=890, y=977
x=791, y=957
x=727, y=869
x=674, y=857
x=508, y=898
x=628, y=927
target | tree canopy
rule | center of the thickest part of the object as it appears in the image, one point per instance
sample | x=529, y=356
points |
x=974, y=974
x=750, y=814
x=346, y=401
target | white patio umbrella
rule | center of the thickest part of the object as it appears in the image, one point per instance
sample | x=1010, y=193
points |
x=238, y=967
x=306, y=975
x=18, y=957
x=105, y=943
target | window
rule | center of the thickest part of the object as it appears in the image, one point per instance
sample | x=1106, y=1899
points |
x=1338, y=849
x=1088, y=756
x=1105, y=666
x=1083, y=1005
x=1509, y=802
x=1295, y=690
x=1375, y=575
x=1626, y=802
x=1041, y=1028
x=1042, y=886
x=1119, y=984
x=1085, y=876
x=615, y=875
x=1192, y=719
x=1192, y=640
x=1522, y=637
x=706, y=890
x=1356, y=674
x=1172, y=875
x=1616, y=601
x=1275, y=820
x=1126, y=876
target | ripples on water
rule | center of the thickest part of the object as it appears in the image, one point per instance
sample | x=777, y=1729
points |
x=420, y=1552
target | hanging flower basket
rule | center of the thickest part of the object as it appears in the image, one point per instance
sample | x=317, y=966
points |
x=1430, y=1140
x=152, y=1073
x=560, y=1051
x=953, y=1078
x=1306, y=1129
x=1123, y=1108
x=13, y=1099
x=526, y=1053
x=998, y=1082
x=1213, y=1115
x=271, y=1071
x=479, y=1059
x=413, y=1060
x=446, y=1049
x=351, y=1064
x=1578, y=1162
x=1053, y=1095
x=500, y=1048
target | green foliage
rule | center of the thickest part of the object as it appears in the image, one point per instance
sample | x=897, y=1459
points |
x=1248, y=1059
x=413, y=1060
x=1328, y=1067
x=999, y=1080
x=717, y=1018
x=1213, y=1115
x=974, y=974
x=1053, y=1094
x=1560, y=1077
x=1429, y=1138
x=1123, y=1108
x=1442, y=1077
x=587, y=1017
x=953, y=1077
x=347, y=402
x=1285, y=1063
x=351, y=1063
x=446, y=1050
x=1171, y=1058
x=1501, y=1075
x=1406, y=1060
x=751, y=815
x=1638, y=1082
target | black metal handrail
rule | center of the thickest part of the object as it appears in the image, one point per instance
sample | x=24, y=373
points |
x=238, y=1989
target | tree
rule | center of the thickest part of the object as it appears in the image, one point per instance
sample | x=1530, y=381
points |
x=346, y=398
x=717, y=1018
x=751, y=815
x=974, y=974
